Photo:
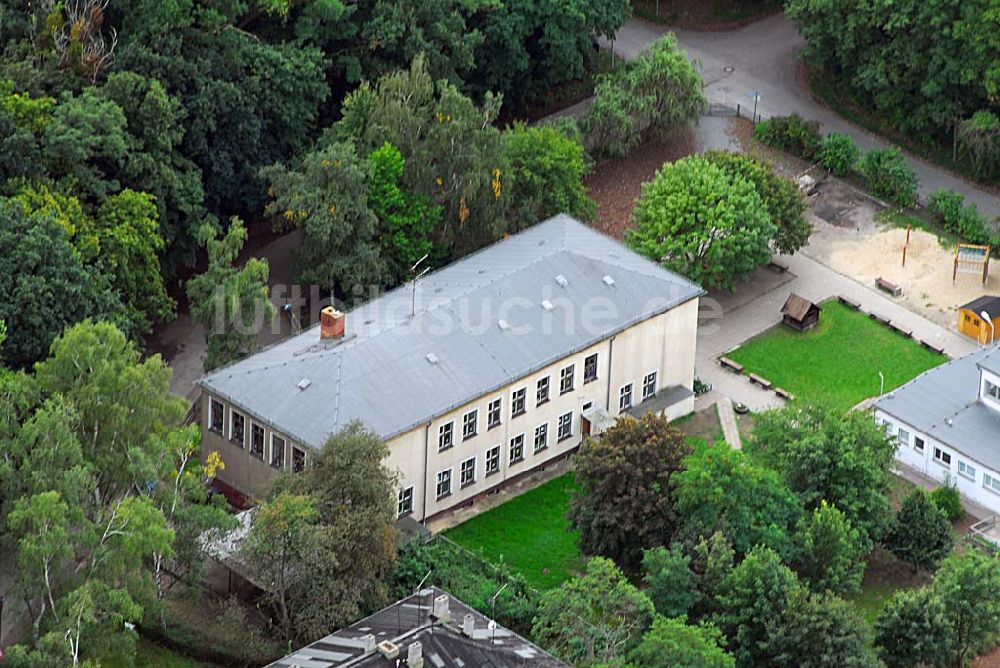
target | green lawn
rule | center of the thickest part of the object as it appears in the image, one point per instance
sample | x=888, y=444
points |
x=530, y=533
x=837, y=363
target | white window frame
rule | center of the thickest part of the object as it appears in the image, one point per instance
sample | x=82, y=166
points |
x=443, y=477
x=404, y=501
x=543, y=388
x=903, y=436
x=263, y=440
x=991, y=483
x=518, y=395
x=966, y=470
x=655, y=375
x=242, y=443
x=516, y=444
x=495, y=454
x=941, y=457
x=625, y=397
x=446, y=435
x=542, y=433
x=564, y=428
x=495, y=407
x=212, y=403
x=991, y=390
x=284, y=443
x=567, y=379
x=464, y=469
x=597, y=361
x=918, y=440
x=466, y=432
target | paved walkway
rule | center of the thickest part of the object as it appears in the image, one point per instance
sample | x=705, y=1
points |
x=719, y=335
x=730, y=428
x=764, y=57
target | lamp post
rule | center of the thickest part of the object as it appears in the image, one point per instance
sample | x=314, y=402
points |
x=755, y=96
x=989, y=321
x=493, y=622
x=881, y=387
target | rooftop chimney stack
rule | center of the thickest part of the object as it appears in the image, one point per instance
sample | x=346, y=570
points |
x=468, y=625
x=441, y=610
x=415, y=655
x=369, y=641
x=331, y=324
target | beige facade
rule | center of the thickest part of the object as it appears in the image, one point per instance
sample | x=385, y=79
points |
x=651, y=355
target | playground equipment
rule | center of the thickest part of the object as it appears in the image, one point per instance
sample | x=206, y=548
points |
x=971, y=259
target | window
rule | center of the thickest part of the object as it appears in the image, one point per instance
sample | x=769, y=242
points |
x=942, y=457
x=967, y=470
x=903, y=437
x=469, y=424
x=991, y=483
x=277, y=452
x=446, y=435
x=542, y=393
x=992, y=390
x=517, y=403
x=565, y=427
x=404, y=501
x=256, y=440
x=468, y=474
x=217, y=416
x=298, y=459
x=517, y=449
x=444, y=483
x=889, y=429
x=541, y=437
x=918, y=444
x=649, y=385
x=590, y=368
x=968, y=318
x=566, y=379
x=493, y=460
x=236, y=430
x=493, y=413
x=625, y=398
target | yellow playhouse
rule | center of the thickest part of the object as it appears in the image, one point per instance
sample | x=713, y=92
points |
x=972, y=323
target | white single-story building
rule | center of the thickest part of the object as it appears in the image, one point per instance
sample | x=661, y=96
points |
x=947, y=424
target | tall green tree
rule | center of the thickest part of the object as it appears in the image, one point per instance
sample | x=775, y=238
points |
x=920, y=533
x=624, y=504
x=831, y=553
x=595, y=619
x=231, y=303
x=671, y=584
x=670, y=643
x=969, y=589
x=724, y=490
x=913, y=630
x=821, y=631
x=699, y=220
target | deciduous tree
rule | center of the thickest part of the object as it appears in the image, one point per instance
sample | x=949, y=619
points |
x=820, y=631
x=969, y=589
x=913, y=630
x=830, y=552
x=920, y=533
x=671, y=643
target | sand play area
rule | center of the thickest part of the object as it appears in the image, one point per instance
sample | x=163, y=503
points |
x=848, y=239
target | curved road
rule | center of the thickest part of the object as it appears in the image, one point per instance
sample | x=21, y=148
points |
x=764, y=57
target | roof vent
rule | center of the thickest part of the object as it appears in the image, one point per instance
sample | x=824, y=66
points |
x=304, y=384
x=432, y=358
x=561, y=280
x=388, y=649
x=369, y=641
x=468, y=625
x=442, y=608
x=415, y=655
x=547, y=305
x=608, y=280
x=949, y=422
x=503, y=324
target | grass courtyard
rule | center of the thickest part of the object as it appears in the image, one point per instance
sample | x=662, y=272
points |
x=836, y=363
x=530, y=533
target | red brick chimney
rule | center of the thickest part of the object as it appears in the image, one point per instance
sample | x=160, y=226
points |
x=331, y=323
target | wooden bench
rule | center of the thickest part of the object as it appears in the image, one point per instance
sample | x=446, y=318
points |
x=886, y=286
x=880, y=318
x=784, y=394
x=779, y=267
x=763, y=382
x=850, y=303
x=930, y=346
x=727, y=363
x=899, y=330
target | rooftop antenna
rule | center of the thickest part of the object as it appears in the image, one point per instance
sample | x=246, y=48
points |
x=493, y=622
x=420, y=600
x=413, y=282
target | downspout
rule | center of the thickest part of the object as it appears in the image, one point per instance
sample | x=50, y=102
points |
x=427, y=445
x=611, y=350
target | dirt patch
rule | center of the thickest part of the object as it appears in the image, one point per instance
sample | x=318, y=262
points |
x=704, y=424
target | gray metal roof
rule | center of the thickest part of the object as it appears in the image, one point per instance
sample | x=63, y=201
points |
x=394, y=370
x=444, y=645
x=991, y=361
x=944, y=404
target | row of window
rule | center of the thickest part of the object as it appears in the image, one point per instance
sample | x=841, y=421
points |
x=238, y=436
x=491, y=461
x=625, y=392
x=942, y=457
x=518, y=402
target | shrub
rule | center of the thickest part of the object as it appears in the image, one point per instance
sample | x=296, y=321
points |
x=950, y=212
x=888, y=176
x=790, y=133
x=946, y=498
x=839, y=153
x=920, y=533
